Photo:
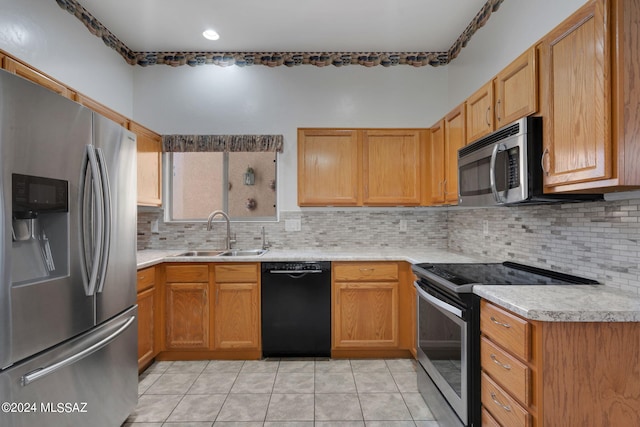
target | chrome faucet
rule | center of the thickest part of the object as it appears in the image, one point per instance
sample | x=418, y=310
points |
x=228, y=240
x=265, y=245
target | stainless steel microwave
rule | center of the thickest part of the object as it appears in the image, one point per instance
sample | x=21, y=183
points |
x=505, y=168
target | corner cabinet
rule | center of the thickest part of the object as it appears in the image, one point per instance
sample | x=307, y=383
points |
x=149, y=147
x=237, y=306
x=147, y=316
x=558, y=373
x=447, y=137
x=590, y=94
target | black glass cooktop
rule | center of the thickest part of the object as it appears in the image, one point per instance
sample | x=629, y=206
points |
x=506, y=273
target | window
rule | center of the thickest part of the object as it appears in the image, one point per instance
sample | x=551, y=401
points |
x=243, y=184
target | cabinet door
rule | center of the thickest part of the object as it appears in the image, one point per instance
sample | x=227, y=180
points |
x=29, y=73
x=437, y=154
x=576, y=103
x=480, y=113
x=237, y=316
x=517, y=89
x=146, y=330
x=391, y=166
x=329, y=167
x=455, y=138
x=365, y=315
x=149, y=165
x=187, y=316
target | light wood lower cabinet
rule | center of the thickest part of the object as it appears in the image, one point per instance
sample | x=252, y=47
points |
x=187, y=307
x=365, y=299
x=147, y=316
x=237, y=307
x=558, y=373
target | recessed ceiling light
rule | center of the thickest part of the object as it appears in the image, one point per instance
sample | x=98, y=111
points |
x=211, y=35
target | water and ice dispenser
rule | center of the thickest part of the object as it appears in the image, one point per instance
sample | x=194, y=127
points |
x=40, y=228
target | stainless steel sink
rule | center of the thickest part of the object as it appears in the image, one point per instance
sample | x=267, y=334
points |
x=201, y=253
x=222, y=252
x=244, y=252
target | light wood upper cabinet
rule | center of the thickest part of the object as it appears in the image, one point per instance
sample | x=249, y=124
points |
x=590, y=95
x=454, y=138
x=392, y=166
x=437, y=159
x=577, y=121
x=329, y=167
x=149, y=146
x=480, y=113
x=516, y=89
x=29, y=73
x=105, y=111
x=447, y=137
x=512, y=94
x=237, y=306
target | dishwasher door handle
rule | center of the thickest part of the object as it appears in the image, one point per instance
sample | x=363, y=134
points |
x=294, y=271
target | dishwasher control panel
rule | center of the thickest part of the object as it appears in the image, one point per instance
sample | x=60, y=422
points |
x=296, y=266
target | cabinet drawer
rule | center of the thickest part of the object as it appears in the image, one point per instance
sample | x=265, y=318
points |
x=146, y=278
x=365, y=271
x=514, y=375
x=187, y=273
x=503, y=407
x=506, y=329
x=488, y=420
x=236, y=273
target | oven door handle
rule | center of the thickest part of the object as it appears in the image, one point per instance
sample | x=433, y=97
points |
x=439, y=303
x=492, y=171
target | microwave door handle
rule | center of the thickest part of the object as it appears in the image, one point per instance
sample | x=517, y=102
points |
x=492, y=171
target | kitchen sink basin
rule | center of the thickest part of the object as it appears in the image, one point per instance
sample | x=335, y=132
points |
x=201, y=253
x=244, y=252
x=222, y=252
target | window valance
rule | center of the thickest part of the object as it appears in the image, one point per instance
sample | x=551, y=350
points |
x=224, y=143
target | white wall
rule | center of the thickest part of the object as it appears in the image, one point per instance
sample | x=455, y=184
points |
x=516, y=26
x=50, y=39
x=261, y=100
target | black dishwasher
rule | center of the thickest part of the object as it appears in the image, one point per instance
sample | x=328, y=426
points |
x=296, y=309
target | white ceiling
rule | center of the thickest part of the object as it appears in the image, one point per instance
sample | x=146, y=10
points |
x=286, y=25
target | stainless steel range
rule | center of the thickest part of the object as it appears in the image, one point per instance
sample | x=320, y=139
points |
x=448, y=332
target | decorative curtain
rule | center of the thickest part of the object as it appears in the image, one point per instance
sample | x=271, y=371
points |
x=225, y=143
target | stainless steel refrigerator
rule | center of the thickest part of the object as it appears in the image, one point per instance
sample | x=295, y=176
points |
x=68, y=319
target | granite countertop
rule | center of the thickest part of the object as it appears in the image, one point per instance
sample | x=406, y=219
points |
x=571, y=303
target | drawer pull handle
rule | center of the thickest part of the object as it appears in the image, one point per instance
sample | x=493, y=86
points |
x=497, y=362
x=506, y=325
x=367, y=270
x=497, y=402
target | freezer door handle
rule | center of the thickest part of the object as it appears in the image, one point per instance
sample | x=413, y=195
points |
x=42, y=372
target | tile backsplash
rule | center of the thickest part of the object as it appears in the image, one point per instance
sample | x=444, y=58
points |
x=599, y=240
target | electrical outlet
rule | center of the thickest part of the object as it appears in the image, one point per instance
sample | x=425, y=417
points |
x=154, y=227
x=403, y=225
x=292, y=225
x=485, y=227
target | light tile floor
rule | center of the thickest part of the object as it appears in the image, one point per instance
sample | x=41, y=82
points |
x=288, y=393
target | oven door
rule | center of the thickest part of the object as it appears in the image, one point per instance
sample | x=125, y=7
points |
x=443, y=346
x=494, y=175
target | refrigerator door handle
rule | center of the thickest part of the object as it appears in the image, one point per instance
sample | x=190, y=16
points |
x=37, y=374
x=90, y=164
x=106, y=232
